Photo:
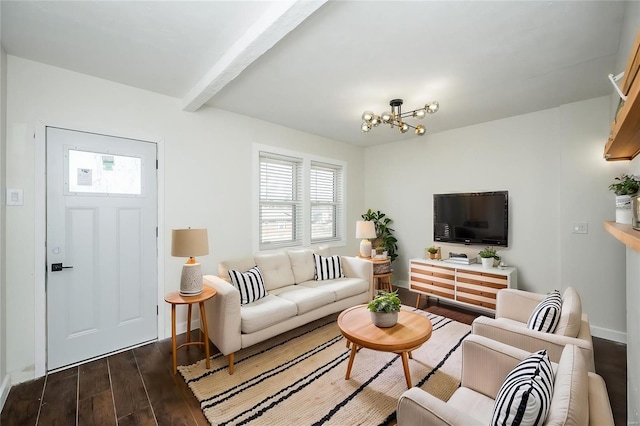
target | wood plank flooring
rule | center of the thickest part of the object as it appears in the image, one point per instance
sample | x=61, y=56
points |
x=138, y=387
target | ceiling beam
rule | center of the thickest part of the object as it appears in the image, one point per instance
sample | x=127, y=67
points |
x=280, y=19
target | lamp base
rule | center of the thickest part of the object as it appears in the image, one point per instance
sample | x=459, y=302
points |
x=191, y=280
x=365, y=248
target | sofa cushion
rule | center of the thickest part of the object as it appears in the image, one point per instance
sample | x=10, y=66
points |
x=473, y=403
x=250, y=284
x=340, y=287
x=525, y=395
x=276, y=270
x=241, y=264
x=546, y=315
x=302, y=265
x=306, y=298
x=571, y=314
x=570, y=403
x=266, y=312
x=327, y=268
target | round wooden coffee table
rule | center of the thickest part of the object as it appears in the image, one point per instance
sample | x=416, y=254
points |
x=411, y=331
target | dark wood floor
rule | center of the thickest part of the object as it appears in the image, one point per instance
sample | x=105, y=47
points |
x=138, y=387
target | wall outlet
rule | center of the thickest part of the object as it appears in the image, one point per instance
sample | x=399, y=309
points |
x=580, y=228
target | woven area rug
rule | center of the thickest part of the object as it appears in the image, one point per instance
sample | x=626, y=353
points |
x=298, y=378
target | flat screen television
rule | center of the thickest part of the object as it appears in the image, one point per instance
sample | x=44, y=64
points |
x=472, y=218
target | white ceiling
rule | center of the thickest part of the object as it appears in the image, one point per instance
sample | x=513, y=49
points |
x=316, y=65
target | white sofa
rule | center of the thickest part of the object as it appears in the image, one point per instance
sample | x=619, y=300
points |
x=294, y=297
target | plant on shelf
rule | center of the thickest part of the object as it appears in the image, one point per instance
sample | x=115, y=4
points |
x=385, y=302
x=384, y=236
x=488, y=254
x=625, y=185
x=432, y=252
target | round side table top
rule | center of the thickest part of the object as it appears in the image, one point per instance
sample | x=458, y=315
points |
x=175, y=298
x=411, y=331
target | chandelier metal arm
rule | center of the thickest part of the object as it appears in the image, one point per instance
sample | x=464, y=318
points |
x=395, y=117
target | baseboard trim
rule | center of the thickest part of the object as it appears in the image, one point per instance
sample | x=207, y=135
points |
x=608, y=334
x=4, y=390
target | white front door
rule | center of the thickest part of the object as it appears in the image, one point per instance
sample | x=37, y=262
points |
x=101, y=245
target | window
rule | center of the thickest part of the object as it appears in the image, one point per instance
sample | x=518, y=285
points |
x=300, y=200
x=97, y=173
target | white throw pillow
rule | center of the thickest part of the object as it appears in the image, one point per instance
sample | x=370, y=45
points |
x=546, y=315
x=250, y=284
x=327, y=268
x=525, y=396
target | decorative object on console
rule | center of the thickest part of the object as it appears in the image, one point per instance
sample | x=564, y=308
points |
x=365, y=229
x=190, y=243
x=625, y=187
x=384, y=309
x=396, y=116
x=432, y=252
x=384, y=236
x=488, y=254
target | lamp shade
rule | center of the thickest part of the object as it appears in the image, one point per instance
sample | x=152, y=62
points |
x=365, y=229
x=189, y=242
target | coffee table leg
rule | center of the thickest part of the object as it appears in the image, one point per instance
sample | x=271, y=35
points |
x=405, y=365
x=354, y=349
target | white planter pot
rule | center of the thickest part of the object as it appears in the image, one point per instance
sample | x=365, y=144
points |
x=487, y=262
x=384, y=319
x=623, y=209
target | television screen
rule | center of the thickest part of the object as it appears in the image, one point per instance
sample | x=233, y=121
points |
x=472, y=218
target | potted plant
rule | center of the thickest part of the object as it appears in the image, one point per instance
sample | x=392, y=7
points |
x=488, y=254
x=432, y=252
x=624, y=187
x=384, y=309
x=384, y=236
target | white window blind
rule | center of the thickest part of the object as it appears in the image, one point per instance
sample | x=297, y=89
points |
x=280, y=205
x=325, y=190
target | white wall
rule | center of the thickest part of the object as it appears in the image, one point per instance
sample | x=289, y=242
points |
x=551, y=163
x=207, y=174
x=4, y=377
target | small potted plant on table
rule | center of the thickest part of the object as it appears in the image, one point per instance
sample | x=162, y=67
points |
x=384, y=309
x=432, y=252
x=488, y=254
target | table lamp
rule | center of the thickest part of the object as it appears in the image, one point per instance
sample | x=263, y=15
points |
x=365, y=229
x=190, y=243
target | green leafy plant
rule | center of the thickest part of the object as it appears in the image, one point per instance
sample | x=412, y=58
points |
x=625, y=185
x=384, y=234
x=432, y=250
x=385, y=302
x=489, y=252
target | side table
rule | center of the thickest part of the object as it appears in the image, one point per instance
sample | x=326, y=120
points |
x=175, y=299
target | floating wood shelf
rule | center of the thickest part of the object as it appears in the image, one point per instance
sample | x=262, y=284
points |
x=625, y=233
x=624, y=140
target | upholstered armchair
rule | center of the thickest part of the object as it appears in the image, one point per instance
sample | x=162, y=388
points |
x=578, y=396
x=513, y=310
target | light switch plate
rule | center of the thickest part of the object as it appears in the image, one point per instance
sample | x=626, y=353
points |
x=14, y=197
x=580, y=228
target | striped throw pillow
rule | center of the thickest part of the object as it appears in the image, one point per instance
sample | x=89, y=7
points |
x=525, y=395
x=250, y=284
x=327, y=268
x=546, y=315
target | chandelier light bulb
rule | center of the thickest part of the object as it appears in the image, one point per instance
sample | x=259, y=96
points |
x=375, y=121
x=404, y=127
x=419, y=113
x=386, y=117
x=432, y=107
x=367, y=116
x=420, y=130
x=365, y=126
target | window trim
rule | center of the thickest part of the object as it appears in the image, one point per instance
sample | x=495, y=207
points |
x=305, y=226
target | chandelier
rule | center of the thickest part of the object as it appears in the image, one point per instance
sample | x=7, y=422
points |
x=396, y=117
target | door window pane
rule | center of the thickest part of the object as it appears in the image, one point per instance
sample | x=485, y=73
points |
x=99, y=173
